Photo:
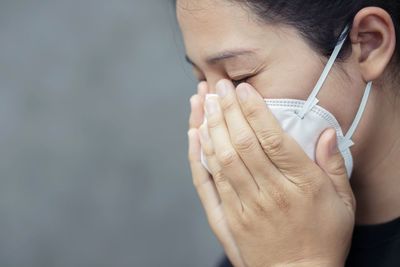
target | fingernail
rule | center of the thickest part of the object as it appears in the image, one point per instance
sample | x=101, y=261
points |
x=222, y=88
x=211, y=106
x=243, y=92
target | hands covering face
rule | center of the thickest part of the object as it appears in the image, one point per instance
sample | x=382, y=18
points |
x=266, y=201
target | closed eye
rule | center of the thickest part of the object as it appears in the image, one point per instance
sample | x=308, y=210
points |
x=237, y=82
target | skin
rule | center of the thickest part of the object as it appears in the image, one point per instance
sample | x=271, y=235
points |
x=261, y=215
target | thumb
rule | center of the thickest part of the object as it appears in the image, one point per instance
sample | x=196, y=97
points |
x=329, y=159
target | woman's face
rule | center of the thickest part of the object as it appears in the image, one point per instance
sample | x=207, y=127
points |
x=225, y=40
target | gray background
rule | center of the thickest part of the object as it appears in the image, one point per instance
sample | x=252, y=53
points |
x=93, y=119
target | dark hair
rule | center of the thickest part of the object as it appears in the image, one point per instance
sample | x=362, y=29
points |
x=320, y=22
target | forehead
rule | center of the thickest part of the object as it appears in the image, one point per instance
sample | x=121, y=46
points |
x=201, y=8
x=212, y=25
x=213, y=16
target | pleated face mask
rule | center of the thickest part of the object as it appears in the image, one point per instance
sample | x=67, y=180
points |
x=305, y=121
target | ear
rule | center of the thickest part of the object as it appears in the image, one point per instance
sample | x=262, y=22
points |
x=373, y=39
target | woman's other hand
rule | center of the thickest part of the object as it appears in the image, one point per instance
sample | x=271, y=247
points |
x=204, y=183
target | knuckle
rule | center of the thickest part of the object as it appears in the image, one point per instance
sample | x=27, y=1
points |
x=220, y=179
x=311, y=186
x=261, y=208
x=199, y=181
x=280, y=200
x=213, y=121
x=271, y=142
x=192, y=157
x=240, y=224
x=228, y=103
x=227, y=158
x=253, y=111
x=244, y=142
x=208, y=150
x=337, y=166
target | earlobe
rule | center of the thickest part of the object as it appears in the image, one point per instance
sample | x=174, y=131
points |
x=373, y=38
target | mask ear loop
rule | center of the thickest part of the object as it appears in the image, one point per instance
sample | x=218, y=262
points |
x=312, y=99
x=347, y=142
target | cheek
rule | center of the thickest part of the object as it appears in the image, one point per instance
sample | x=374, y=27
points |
x=287, y=81
x=340, y=100
x=292, y=71
x=297, y=81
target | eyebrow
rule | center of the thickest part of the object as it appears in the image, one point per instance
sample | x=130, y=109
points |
x=222, y=56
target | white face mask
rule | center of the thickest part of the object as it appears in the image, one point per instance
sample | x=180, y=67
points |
x=305, y=121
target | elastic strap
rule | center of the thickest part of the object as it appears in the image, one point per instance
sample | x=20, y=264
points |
x=312, y=99
x=347, y=142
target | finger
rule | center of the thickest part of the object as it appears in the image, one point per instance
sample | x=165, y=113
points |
x=285, y=153
x=209, y=198
x=201, y=178
x=197, y=114
x=226, y=192
x=228, y=159
x=202, y=89
x=331, y=161
x=244, y=139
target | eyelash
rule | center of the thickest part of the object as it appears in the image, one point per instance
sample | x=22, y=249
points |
x=235, y=82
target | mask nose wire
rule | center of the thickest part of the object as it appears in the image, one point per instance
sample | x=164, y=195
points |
x=312, y=99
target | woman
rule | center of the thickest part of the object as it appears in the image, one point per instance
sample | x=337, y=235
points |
x=278, y=165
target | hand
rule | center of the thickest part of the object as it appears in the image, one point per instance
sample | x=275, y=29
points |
x=204, y=184
x=281, y=207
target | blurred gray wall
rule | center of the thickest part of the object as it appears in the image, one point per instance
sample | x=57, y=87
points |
x=93, y=119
